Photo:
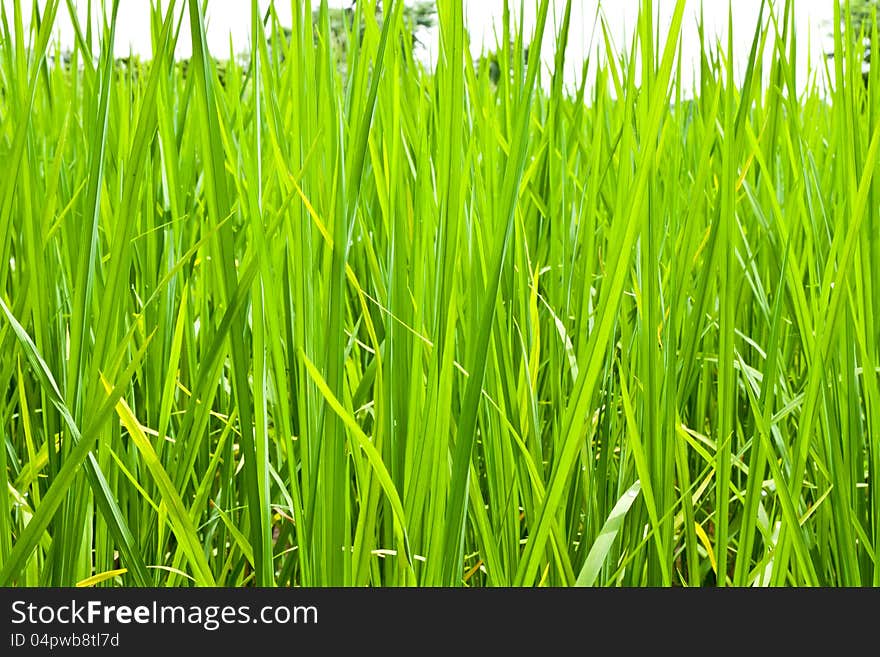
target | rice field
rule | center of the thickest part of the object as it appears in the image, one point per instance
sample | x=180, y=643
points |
x=341, y=320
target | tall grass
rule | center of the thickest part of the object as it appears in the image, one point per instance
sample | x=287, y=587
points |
x=361, y=323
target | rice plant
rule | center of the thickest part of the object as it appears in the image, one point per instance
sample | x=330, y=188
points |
x=343, y=319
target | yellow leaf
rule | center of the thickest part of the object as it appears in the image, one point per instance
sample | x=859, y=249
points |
x=100, y=577
x=704, y=539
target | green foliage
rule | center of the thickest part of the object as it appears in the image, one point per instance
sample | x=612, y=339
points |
x=862, y=11
x=859, y=16
x=410, y=327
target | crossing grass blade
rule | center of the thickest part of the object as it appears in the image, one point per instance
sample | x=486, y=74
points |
x=598, y=553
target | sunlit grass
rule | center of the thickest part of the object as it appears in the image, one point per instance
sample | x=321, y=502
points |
x=376, y=325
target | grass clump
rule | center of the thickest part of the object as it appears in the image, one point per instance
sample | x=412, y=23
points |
x=410, y=327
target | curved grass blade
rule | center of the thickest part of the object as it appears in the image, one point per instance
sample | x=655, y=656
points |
x=601, y=546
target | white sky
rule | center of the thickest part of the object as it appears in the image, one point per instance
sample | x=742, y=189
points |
x=230, y=20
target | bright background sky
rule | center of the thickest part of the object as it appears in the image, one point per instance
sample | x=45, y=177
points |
x=230, y=19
